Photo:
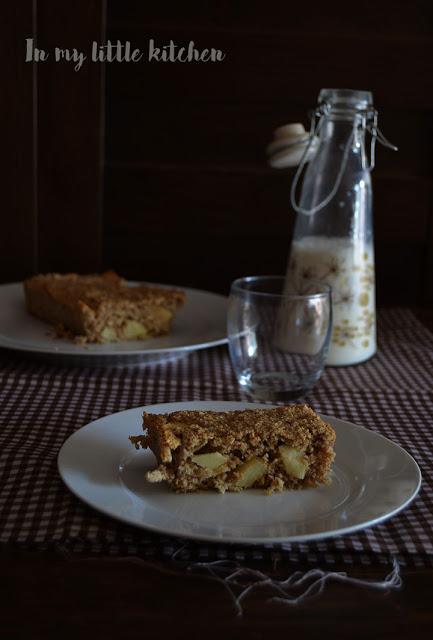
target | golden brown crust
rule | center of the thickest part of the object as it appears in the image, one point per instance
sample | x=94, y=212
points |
x=101, y=308
x=240, y=436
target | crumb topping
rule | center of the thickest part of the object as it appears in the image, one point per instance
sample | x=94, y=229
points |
x=95, y=290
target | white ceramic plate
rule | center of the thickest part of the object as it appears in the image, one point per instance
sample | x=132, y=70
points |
x=373, y=479
x=199, y=324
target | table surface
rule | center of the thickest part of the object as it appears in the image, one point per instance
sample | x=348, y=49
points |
x=69, y=570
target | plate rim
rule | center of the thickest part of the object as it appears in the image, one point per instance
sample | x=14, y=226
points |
x=57, y=351
x=249, y=540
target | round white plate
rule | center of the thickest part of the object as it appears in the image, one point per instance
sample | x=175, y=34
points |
x=372, y=480
x=200, y=323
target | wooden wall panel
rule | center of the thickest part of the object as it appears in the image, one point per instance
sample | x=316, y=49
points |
x=187, y=179
x=280, y=67
x=18, y=249
x=70, y=132
x=368, y=17
x=427, y=275
x=188, y=196
x=52, y=141
x=228, y=224
x=236, y=134
x=402, y=221
x=205, y=240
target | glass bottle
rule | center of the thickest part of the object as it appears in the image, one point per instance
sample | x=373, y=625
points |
x=333, y=235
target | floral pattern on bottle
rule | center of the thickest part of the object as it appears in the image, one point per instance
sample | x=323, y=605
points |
x=349, y=270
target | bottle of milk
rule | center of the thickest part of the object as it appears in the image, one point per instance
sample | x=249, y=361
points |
x=333, y=235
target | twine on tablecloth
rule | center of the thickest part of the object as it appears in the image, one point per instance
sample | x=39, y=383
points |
x=42, y=405
x=298, y=588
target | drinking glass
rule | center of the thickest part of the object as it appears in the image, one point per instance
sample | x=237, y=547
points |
x=278, y=341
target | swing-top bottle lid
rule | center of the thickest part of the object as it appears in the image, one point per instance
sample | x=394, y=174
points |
x=346, y=99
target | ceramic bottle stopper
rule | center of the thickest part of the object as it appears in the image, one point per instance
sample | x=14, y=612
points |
x=289, y=144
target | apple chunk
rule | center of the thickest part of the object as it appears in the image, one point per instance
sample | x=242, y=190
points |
x=294, y=461
x=134, y=330
x=209, y=461
x=250, y=472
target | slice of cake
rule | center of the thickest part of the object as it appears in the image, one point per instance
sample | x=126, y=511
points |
x=275, y=449
x=101, y=308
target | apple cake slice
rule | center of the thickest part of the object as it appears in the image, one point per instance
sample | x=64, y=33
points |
x=101, y=308
x=274, y=449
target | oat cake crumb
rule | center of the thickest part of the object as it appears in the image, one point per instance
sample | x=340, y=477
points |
x=273, y=449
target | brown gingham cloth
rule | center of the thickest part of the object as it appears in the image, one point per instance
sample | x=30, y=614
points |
x=42, y=405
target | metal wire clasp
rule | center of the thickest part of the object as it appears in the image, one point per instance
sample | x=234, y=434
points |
x=320, y=112
x=370, y=124
x=367, y=122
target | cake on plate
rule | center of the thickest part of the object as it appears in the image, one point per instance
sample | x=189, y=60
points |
x=273, y=449
x=101, y=308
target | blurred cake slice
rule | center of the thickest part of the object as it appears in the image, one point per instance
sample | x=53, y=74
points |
x=274, y=449
x=102, y=308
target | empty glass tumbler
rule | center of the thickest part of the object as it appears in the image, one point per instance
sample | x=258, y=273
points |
x=278, y=341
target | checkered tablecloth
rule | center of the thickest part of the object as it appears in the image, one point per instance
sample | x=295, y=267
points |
x=42, y=404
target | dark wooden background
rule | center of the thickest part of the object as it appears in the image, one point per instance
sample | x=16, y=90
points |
x=158, y=170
